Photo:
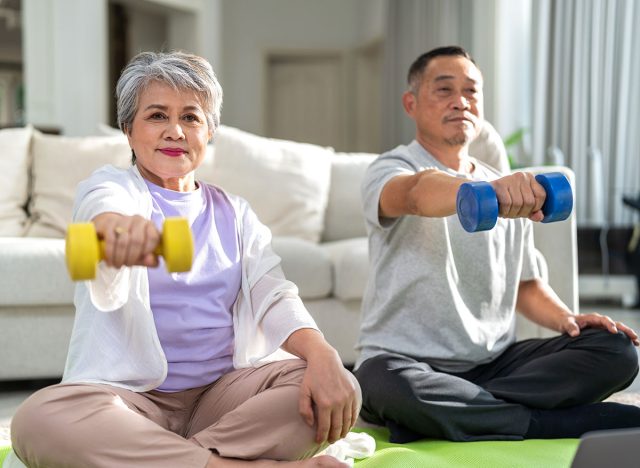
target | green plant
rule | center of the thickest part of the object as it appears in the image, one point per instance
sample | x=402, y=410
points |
x=514, y=141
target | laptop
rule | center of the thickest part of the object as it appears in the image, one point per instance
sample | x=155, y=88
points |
x=616, y=448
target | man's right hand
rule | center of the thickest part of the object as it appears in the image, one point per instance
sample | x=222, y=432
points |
x=519, y=196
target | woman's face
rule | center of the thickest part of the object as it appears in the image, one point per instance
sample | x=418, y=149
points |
x=169, y=136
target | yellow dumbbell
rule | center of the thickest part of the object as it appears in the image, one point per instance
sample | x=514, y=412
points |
x=83, y=249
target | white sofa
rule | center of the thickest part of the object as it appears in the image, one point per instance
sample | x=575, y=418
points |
x=308, y=195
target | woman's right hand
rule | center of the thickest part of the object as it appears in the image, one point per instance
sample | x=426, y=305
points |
x=129, y=240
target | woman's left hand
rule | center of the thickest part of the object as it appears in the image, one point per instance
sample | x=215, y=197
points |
x=328, y=395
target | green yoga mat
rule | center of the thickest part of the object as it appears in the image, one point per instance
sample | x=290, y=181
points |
x=555, y=453
x=534, y=453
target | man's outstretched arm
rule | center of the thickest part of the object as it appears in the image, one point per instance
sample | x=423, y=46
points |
x=432, y=193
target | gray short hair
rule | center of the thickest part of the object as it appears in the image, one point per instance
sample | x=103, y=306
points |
x=177, y=69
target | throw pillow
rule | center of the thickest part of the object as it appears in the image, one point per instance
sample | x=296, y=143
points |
x=345, y=216
x=286, y=183
x=488, y=147
x=59, y=164
x=14, y=179
x=108, y=130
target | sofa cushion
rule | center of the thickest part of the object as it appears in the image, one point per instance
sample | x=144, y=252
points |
x=14, y=179
x=350, y=260
x=307, y=265
x=344, y=218
x=59, y=164
x=489, y=148
x=38, y=263
x=286, y=183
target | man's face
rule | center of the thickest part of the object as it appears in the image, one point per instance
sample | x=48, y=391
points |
x=448, y=106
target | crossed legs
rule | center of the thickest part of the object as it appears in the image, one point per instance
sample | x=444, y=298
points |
x=497, y=400
x=248, y=414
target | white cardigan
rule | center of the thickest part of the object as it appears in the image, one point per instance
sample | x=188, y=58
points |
x=114, y=337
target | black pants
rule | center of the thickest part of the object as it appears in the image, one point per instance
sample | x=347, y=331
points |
x=494, y=401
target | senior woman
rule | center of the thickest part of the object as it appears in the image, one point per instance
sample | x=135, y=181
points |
x=219, y=366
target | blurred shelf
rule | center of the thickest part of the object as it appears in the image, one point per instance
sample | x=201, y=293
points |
x=608, y=287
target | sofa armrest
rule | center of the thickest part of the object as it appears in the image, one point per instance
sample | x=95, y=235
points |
x=543, y=266
x=34, y=272
x=525, y=328
x=559, y=245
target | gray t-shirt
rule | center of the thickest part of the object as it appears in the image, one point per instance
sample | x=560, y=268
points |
x=436, y=292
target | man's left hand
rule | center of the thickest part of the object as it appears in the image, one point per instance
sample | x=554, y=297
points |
x=574, y=323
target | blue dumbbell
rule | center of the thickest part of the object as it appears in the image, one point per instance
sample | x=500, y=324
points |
x=477, y=203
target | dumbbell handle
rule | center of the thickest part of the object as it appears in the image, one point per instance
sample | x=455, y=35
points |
x=477, y=203
x=83, y=249
x=102, y=246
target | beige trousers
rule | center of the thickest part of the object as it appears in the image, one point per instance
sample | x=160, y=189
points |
x=248, y=413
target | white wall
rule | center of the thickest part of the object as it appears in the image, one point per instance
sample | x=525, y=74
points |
x=146, y=31
x=65, y=64
x=514, y=68
x=495, y=32
x=164, y=25
x=371, y=20
x=66, y=53
x=253, y=28
x=481, y=21
x=501, y=45
x=210, y=30
x=65, y=50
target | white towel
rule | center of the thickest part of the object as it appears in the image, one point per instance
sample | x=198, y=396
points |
x=354, y=445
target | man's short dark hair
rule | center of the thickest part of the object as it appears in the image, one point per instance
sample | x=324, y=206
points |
x=417, y=68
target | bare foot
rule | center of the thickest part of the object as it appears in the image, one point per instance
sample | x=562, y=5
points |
x=323, y=461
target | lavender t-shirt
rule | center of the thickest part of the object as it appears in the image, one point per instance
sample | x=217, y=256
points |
x=192, y=310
